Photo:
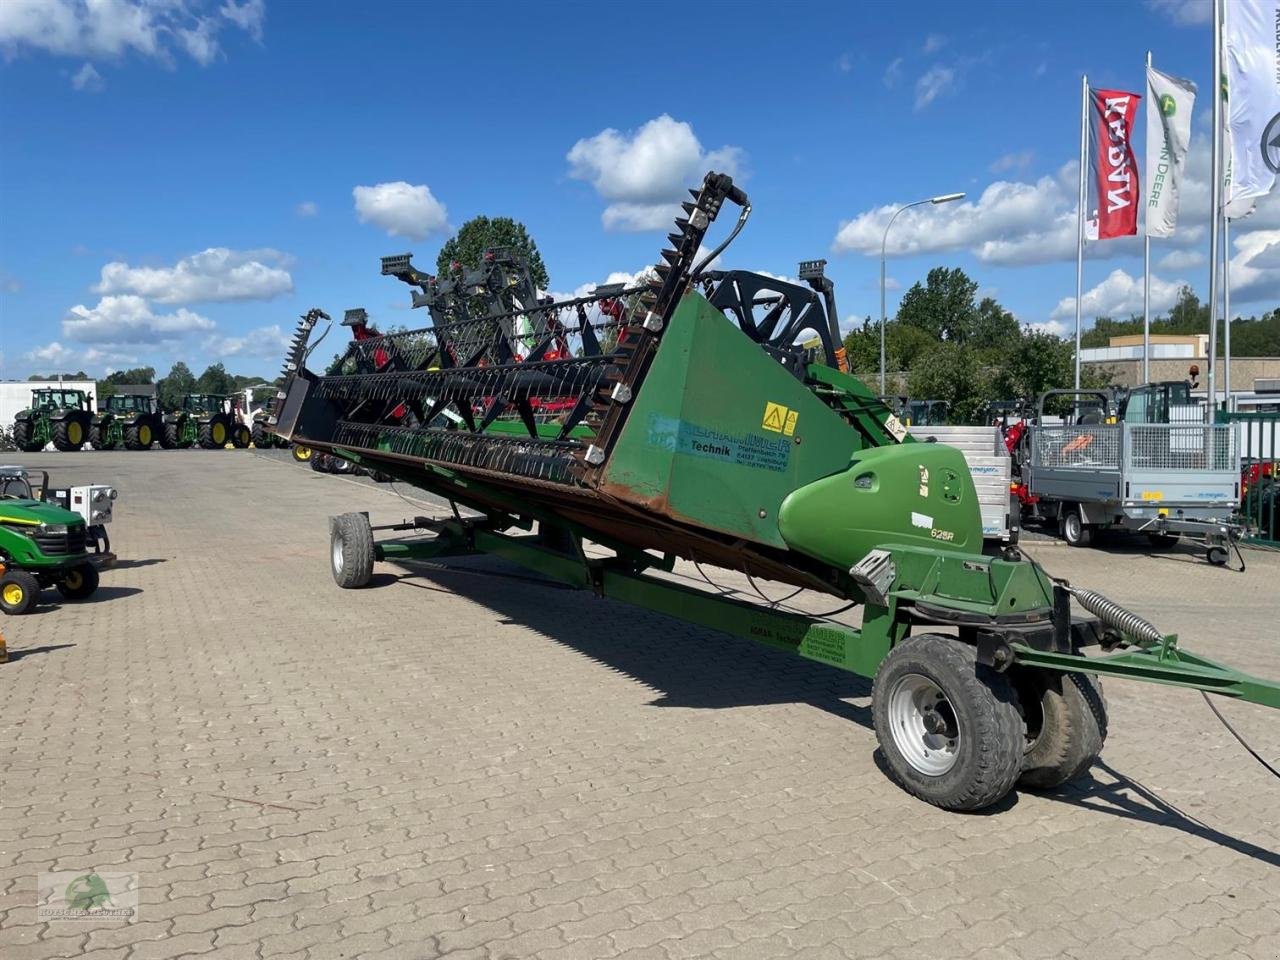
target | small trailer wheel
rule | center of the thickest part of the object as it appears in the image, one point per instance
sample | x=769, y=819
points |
x=949, y=726
x=1075, y=531
x=1217, y=555
x=1066, y=719
x=351, y=550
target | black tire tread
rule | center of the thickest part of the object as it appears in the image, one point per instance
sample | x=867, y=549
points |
x=1064, y=753
x=1000, y=728
x=30, y=586
x=357, y=550
x=60, y=438
x=90, y=574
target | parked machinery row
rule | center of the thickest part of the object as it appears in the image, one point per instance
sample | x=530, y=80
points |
x=133, y=419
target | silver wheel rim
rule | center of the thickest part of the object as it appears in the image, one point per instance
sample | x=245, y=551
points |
x=1073, y=527
x=337, y=555
x=923, y=725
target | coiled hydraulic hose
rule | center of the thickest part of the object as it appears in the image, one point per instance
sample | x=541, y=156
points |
x=1116, y=616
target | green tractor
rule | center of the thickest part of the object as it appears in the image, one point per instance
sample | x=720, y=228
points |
x=213, y=420
x=61, y=416
x=41, y=545
x=132, y=418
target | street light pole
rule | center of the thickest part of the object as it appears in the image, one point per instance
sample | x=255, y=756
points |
x=944, y=198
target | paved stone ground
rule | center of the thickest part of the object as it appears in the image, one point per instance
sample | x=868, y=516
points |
x=463, y=763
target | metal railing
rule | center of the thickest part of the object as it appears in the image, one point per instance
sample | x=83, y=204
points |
x=1089, y=447
x=1258, y=435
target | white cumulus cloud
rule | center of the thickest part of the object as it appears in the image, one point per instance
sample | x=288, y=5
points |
x=129, y=319
x=307, y=208
x=264, y=342
x=110, y=29
x=1185, y=13
x=1119, y=296
x=214, y=275
x=643, y=174
x=401, y=209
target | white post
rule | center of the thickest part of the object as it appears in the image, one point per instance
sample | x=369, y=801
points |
x=1084, y=164
x=1146, y=285
x=1215, y=215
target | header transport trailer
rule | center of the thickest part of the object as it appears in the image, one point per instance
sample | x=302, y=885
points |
x=701, y=428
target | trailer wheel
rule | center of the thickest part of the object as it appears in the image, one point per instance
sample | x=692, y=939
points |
x=19, y=592
x=1075, y=531
x=1217, y=555
x=79, y=582
x=949, y=726
x=351, y=550
x=1066, y=721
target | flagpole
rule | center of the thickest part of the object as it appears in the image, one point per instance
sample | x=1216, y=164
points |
x=1084, y=160
x=1226, y=311
x=1215, y=217
x=1146, y=278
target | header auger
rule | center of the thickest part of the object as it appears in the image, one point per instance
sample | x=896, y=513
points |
x=695, y=419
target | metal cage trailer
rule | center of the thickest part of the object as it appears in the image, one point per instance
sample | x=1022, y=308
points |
x=701, y=427
x=1165, y=480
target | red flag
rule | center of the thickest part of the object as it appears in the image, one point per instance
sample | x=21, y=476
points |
x=1114, y=165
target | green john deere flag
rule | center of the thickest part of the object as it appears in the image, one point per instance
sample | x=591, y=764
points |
x=1169, y=104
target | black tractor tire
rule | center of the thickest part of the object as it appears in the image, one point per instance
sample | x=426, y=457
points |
x=240, y=436
x=98, y=437
x=170, y=437
x=214, y=433
x=302, y=454
x=948, y=726
x=79, y=582
x=319, y=462
x=1066, y=721
x=351, y=550
x=139, y=435
x=19, y=592
x=22, y=431
x=1072, y=527
x=1163, y=541
x=70, y=434
x=259, y=437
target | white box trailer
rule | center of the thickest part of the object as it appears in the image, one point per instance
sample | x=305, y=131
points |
x=992, y=471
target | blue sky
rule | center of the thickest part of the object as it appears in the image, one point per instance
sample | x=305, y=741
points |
x=181, y=180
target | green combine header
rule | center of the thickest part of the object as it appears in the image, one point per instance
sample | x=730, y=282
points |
x=695, y=417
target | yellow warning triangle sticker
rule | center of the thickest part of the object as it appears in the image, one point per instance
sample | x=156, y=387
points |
x=774, y=416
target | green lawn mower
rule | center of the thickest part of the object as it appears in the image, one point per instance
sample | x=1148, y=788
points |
x=213, y=421
x=131, y=418
x=63, y=417
x=41, y=545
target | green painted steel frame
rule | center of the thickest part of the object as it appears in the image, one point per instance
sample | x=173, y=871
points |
x=849, y=648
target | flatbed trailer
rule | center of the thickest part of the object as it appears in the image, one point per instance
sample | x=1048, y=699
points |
x=702, y=428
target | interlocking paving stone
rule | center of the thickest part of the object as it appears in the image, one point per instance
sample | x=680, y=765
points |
x=460, y=761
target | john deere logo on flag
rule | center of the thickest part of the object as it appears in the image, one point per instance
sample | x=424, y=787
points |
x=1168, y=106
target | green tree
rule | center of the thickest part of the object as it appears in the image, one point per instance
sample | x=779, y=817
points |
x=138, y=375
x=479, y=234
x=951, y=372
x=902, y=344
x=944, y=307
x=175, y=386
x=1035, y=362
x=215, y=379
x=994, y=327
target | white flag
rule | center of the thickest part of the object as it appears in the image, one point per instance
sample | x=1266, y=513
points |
x=1252, y=55
x=1169, y=104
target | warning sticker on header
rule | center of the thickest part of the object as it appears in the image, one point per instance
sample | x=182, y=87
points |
x=745, y=450
x=779, y=419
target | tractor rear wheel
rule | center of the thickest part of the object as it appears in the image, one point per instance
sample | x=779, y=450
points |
x=949, y=727
x=1066, y=721
x=171, y=439
x=240, y=436
x=98, y=436
x=19, y=592
x=214, y=434
x=138, y=436
x=22, y=436
x=351, y=550
x=69, y=434
x=258, y=437
x=79, y=582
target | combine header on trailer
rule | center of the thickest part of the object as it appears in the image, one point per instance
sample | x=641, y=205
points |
x=694, y=418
